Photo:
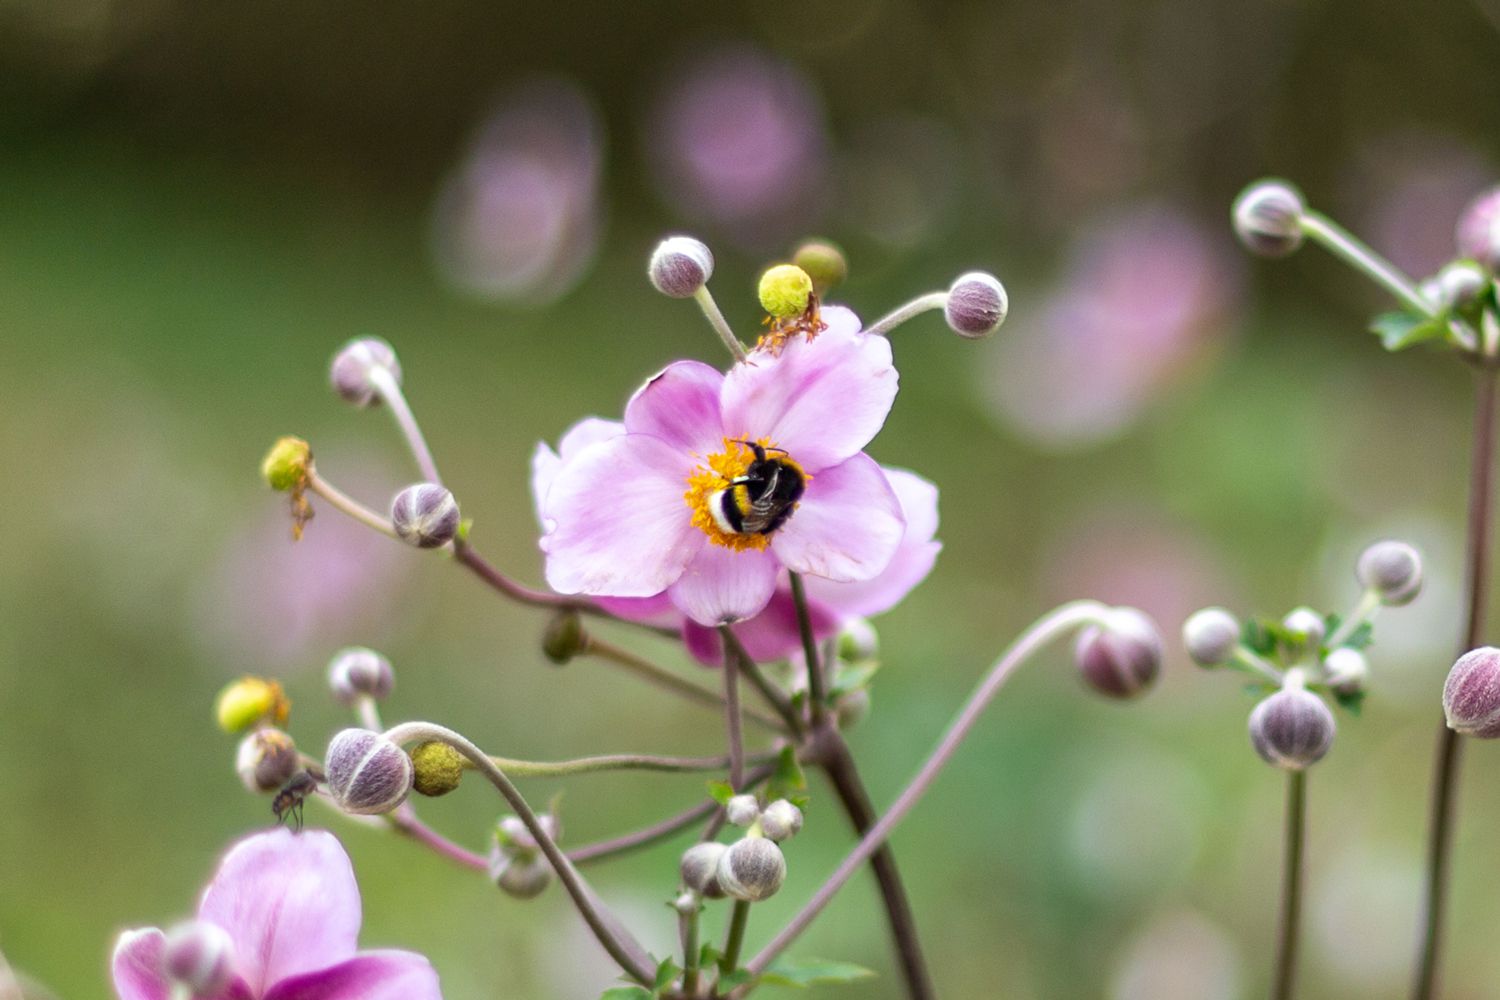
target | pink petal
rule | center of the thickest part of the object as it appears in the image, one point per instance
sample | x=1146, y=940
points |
x=545, y=462
x=703, y=644
x=656, y=610
x=821, y=401
x=136, y=965
x=370, y=975
x=721, y=586
x=289, y=901
x=912, y=562
x=681, y=406
x=771, y=635
x=619, y=526
x=847, y=525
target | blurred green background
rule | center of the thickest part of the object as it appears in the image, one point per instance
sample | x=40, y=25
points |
x=200, y=202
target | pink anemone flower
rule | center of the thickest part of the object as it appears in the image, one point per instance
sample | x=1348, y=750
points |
x=290, y=906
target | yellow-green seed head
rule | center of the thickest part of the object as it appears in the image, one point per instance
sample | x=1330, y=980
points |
x=246, y=703
x=824, y=263
x=437, y=768
x=286, y=465
x=785, y=291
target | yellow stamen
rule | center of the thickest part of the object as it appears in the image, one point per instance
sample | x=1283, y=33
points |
x=716, y=473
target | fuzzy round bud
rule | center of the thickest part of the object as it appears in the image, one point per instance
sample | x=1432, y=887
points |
x=1304, y=628
x=781, y=820
x=437, y=768
x=824, y=263
x=1268, y=218
x=199, y=956
x=425, y=515
x=367, y=773
x=680, y=265
x=1393, y=570
x=700, y=868
x=858, y=641
x=1346, y=669
x=514, y=837
x=249, y=701
x=1478, y=233
x=752, y=869
x=785, y=291
x=1457, y=285
x=1211, y=636
x=1292, y=728
x=564, y=637
x=976, y=306
x=1471, y=695
x=521, y=876
x=352, y=371
x=1120, y=656
x=742, y=810
x=356, y=672
x=266, y=760
x=286, y=465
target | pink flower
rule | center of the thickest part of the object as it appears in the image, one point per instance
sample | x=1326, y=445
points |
x=291, y=908
x=639, y=514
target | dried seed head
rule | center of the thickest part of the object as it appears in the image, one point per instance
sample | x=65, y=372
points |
x=1393, y=570
x=781, y=820
x=1292, y=728
x=680, y=265
x=785, y=291
x=1268, y=218
x=1211, y=636
x=250, y=701
x=752, y=869
x=700, y=868
x=425, y=515
x=1471, y=695
x=286, y=465
x=1121, y=656
x=352, y=371
x=199, y=956
x=266, y=760
x=356, y=672
x=437, y=768
x=977, y=305
x=367, y=773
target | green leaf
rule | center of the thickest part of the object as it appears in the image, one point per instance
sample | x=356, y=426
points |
x=788, y=780
x=721, y=791
x=854, y=676
x=1361, y=637
x=812, y=971
x=1400, y=330
x=1351, y=701
x=666, y=974
x=1261, y=636
x=730, y=980
x=626, y=993
x=708, y=956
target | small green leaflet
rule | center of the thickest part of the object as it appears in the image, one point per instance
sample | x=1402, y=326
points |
x=721, y=791
x=730, y=980
x=811, y=971
x=1261, y=636
x=788, y=782
x=627, y=993
x=854, y=676
x=1400, y=330
x=666, y=974
x=1352, y=702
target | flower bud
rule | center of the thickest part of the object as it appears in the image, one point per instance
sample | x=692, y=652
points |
x=680, y=265
x=1268, y=218
x=514, y=837
x=700, y=868
x=356, y=672
x=1346, y=670
x=687, y=903
x=1471, y=695
x=858, y=641
x=824, y=263
x=785, y=291
x=1211, y=636
x=742, y=810
x=199, y=955
x=437, y=768
x=352, y=371
x=1304, y=629
x=286, y=465
x=976, y=306
x=248, y=702
x=752, y=869
x=781, y=820
x=1457, y=285
x=1292, y=728
x=852, y=707
x=367, y=773
x=1393, y=570
x=1120, y=656
x=564, y=637
x=425, y=515
x=1478, y=233
x=266, y=760
x=521, y=876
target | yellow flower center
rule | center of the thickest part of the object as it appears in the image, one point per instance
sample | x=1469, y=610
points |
x=716, y=473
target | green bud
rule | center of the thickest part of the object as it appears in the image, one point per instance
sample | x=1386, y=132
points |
x=286, y=465
x=785, y=291
x=249, y=701
x=437, y=768
x=824, y=263
x=564, y=637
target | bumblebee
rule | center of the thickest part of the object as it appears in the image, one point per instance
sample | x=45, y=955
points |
x=287, y=805
x=760, y=501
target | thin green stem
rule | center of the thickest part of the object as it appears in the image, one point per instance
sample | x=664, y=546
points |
x=734, y=940
x=1369, y=604
x=773, y=695
x=1245, y=656
x=815, y=688
x=1285, y=971
x=688, y=931
x=1357, y=254
x=622, y=762
x=348, y=505
x=668, y=681
x=705, y=300
x=391, y=394
x=916, y=307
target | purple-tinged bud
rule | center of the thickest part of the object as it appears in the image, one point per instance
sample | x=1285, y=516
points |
x=266, y=760
x=425, y=515
x=781, y=820
x=564, y=637
x=752, y=869
x=680, y=265
x=514, y=837
x=1120, y=656
x=199, y=956
x=1292, y=728
x=976, y=306
x=1346, y=670
x=437, y=768
x=356, y=672
x=367, y=773
x=1211, y=636
x=352, y=372
x=1478, y=233
x=1304, y=629
x=742, y=810
x=521, y=876
x=1393, y=570
x=700, y=868
x=824, y=263
x=1471, y=695
x=1268, y=218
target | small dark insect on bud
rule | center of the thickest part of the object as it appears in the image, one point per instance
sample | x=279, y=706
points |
x=1268, y=218
x=1393, y=570
x=199, y=956
x=352, y=372
x=700, y=868
x=564, y=637
x=437, y=768
x=1211, y=636
x=752, y=869
x=781, y=820
x=1471, y=695
x=680, y=265
x=824, y=263
x=1292, y=729
x=1478, y=233
x=1119, y=657
x=425, y=515
x=356, y=672
x=977, y=305
x=367, y=773
x=266, y=760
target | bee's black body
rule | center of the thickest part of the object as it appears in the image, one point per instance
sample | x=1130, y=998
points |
x=760, y=501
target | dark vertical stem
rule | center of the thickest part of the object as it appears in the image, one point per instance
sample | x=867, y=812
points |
x=815, y=687
x=1445, y=772
x=732, y=724
x=776, y=698
x=1291, y=886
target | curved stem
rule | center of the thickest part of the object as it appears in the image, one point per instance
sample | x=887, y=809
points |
x=1357, y=254
x=815, y=686
x=620, y=762
x=916, y=307
x=348, y=505
x=622, y=947
x=404, y=821
x=1369, y=604
x=391, y=394
x=1291, y=886
x=669, y=681
x=1055, y=623
x=705, y=300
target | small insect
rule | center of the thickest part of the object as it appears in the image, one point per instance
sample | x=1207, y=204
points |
x=288, y=802
x=760, y=501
